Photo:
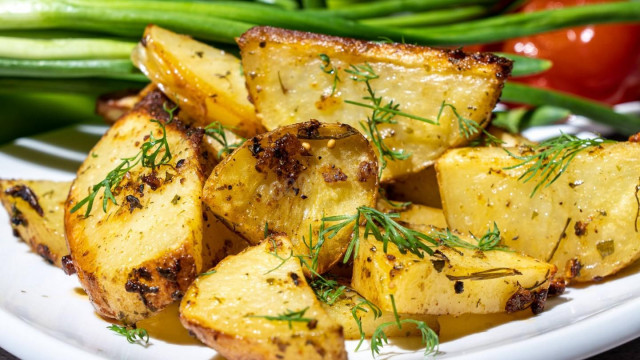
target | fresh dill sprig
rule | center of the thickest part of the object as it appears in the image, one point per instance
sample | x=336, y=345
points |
x=275, y=253
x=210, y=272
x=551, y=158
x=382, y=114
x=404, y=238
x=362, y=306
x=379, y=338
x=329, y=69
x=327, y=290
x=147, y=157
x=489, y=241
x=217, y=132
x=288, y=316
x=133, y=335
x=386, y=229
x=468, y=127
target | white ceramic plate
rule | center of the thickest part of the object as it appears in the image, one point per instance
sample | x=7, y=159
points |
x=45, y=314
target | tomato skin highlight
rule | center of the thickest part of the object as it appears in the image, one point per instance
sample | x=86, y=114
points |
x=600, y=62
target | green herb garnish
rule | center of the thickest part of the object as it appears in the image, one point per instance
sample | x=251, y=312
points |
x=148, y=155
x=379, y=338
x=329, y=69
x=551, y=158
x=133, y=335
x=217, y=132
x=489, y=241
x=288, y=316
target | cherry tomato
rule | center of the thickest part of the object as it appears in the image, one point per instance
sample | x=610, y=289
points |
x=599, y=62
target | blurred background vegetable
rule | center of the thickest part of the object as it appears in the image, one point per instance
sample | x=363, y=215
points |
x=57, y=56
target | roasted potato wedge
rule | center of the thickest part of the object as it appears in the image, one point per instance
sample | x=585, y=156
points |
x=350, y=302
x=136, y=257
x=585, y=222
x=291, y=77
x=452, y=281
x=36, y=213
x=207, y=83
x=291, y=178
x=227, y=309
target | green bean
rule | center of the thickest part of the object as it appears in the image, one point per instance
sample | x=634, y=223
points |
x=429, y=18
x=515, y=25
x=313, y=4
x=89, y=85
x=523, y=94
x=30, y=113
x=524, y=66
x=114, y=68
x=22, y=48
x=517, y=120
x=223, y=21
x=382, y=8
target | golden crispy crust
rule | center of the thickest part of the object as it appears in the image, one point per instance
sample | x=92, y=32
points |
x=397, y=52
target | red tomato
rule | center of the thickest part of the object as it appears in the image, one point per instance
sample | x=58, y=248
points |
x=599, y=62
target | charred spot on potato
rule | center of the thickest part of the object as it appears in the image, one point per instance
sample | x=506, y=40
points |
x=580, y=228
x=281, y=158
x=255, y=147
x=154, y=103
x=539, y=299
x=177, y=295
x=312, y=324
x=458, y=287
x=573, y=268
x=25, y=193
x=152, y=180
x=605, y=248
x=295, y=278
x=332, y=174
x=17, y=217
x=171, y=272
x=180, y=163
x=556, y=287
x=438, y=265
x=520, y=300
x=309, y=130
x=367, y=170
x=133, y=202
x=67, y=265
x=45, y=252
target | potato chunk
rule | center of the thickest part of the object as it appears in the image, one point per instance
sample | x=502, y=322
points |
x=207, y=83
x=452, y=281
x=291, y=178
x=586, y=222
x=228, y=309
x=36, y=213
x=141, y=254
x=291, y=77
x=342, y=312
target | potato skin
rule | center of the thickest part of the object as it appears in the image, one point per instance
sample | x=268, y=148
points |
x=141, y=254
x=220, y=308
x=585, y=222
x=206, y=82
x=273, y=178
x=36, y=214
x=288, y=84
x=450, y=282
